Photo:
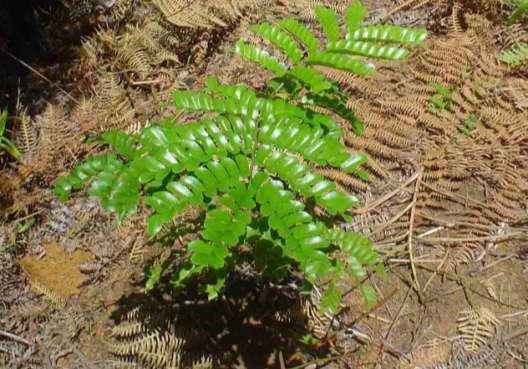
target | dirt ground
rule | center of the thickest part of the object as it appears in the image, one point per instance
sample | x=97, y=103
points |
x=446, y=207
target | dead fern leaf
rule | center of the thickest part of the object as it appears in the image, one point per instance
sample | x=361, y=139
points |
x=56, y=301
x=140, y=343
x=476, y=327
x=26, y=139
x=185, y=13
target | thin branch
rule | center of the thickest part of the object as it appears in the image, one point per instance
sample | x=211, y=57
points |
x=496, y=238
x=14, y=337
x=36, y=72
x=411, y=233
x=460, y=199
x=398, y=314
x=402, y=6
x=386, y=197
x=392, y=220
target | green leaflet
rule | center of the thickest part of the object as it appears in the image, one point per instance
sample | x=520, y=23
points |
x=516, y=55
x=280, y=39
x=5, y=143
x=335, y=105
x=225, y=228
x=388, y=33
x=301, y=33
x=85, y=172
x=316, y=81
x=354, y=16
x=260, y=57
x=328, y=20
x=303, y=240
x=340, y=61
x=330, y=300
x=122, y=143
x=208, y=255
x=154, y=276
x=208, y=180
x=117, y=192
x=301, y=178
x=355, y=245
x=3, y=122
x=369, y=49
x=520, y=9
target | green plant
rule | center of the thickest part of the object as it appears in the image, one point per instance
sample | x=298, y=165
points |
x=248, y=164
x=298, y=78
x=442, y=99
x=516, y=55
x=520, y=10
x=5, y=143
x=468, y=124
x=246, y=167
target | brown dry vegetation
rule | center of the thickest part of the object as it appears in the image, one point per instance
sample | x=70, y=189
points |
x=447, y=207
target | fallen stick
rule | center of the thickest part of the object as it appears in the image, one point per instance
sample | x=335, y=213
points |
x=14, y=337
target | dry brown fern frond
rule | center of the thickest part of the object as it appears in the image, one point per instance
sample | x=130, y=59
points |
x=514, y=35
x=373, y=148
x=428, y=355
x=345, y=79
x=403, y=106
x=464, y=254
x=120, y=10
x=141, y=341
x=306, y=8
x=56, y=130
x=136, y=251
x=445, y=62
x=344, y=179
x=304, y=314
x=144, y=46
x=186, y=13
x=111, y=107
x=27, y=138
x=476, y=327
x=57, y=302
x=395, y=140
x=31, y=311
x=517, y=90
x=456, y=26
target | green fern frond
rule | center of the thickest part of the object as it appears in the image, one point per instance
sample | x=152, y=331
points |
x=369, y=49
x=338, y=107
x=328, y=20
x=302, y=236
x=302, y=179
x=354, y=244
x=280, y=39
x=299, y=78
x=340, y=61
x=260, y=57
x=248, y=163
x=301, y=33
x=388, y=33
x=520, y=9
x=122, y=143
x=314, y=79
x=85, y=172
x=354, y=16
x=515, y=56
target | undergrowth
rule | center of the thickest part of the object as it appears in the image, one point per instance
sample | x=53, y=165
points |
x=247, y=162
x=5, y=143
x=517, y=54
